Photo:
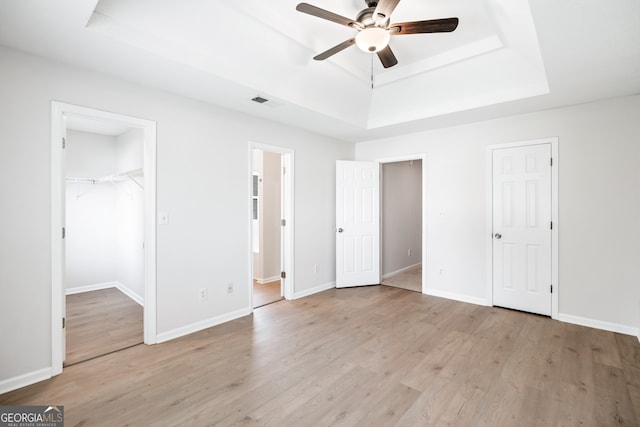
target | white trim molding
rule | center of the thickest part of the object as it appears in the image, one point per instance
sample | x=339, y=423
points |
x=204, y=324
x=402, y=270
x=458, y=297
x=267, y=280
x=314, y=290
x=107, y=285
x=24, y=380
x=598, y=324
x=89, y=288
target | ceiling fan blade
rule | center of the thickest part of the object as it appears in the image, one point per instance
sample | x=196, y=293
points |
x=387, y=57
x=384, y=8
x=445, y=25
x=327, y=53
x=324, y=14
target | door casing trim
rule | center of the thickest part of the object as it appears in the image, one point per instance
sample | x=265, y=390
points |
x=58, y=110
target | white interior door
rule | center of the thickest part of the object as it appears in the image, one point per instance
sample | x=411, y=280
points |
x=522, y=228
x=357, y=223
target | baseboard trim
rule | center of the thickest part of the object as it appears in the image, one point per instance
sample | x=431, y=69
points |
x=267, y=280
x=598, y=324
x=314, y=290
x=402, y=270
x=457, y=297
x=130, y=293
x=24, y=380
x=107, y=285
x=204, y=324
x=89, y=288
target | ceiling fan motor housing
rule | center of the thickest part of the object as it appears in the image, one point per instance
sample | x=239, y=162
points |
x=365, y=17
x=374, y=28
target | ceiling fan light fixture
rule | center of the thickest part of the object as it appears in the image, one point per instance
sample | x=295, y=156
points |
x=373, y=39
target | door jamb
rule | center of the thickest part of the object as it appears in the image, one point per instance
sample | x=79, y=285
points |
x=58, y=110
x=287, y=238
x=554, y=216
x=423, y=158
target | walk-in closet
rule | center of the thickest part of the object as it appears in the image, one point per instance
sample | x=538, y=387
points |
x=104, y=242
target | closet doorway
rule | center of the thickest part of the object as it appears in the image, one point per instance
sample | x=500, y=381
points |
x=104, y=239
x=103, y=198
x=271, y=224
x=402, y=219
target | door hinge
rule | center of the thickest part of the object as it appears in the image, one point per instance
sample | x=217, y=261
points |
x=284, y=170
x=64, y=143
x=64, y=322
x=551, y=225
x=551, y=288
x=64, y=233
x=551, y=161
x=283, y=222
x=283, y=275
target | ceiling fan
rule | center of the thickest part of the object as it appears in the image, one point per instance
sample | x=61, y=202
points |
x=374, y=29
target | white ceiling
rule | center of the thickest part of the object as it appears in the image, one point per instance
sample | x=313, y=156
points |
x=505, y=57
x=93, y=125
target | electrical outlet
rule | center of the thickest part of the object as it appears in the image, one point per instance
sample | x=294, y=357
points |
x=408, y=252
x=229, y=288
x=316, y=268
x=203, y=294
x=163, y=218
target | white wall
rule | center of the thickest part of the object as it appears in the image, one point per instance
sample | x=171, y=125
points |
x=203, y=181
x=129, y=210
x=105, y=221
x=401, y=215
x=599, y=190
x=91, y=225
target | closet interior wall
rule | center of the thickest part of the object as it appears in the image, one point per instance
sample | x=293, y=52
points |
x=105, y=212
x=401, y=216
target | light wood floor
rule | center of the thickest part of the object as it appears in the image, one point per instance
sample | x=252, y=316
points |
x=410, y=280
x=100, y=322
x=266, y=293
x=371, y=356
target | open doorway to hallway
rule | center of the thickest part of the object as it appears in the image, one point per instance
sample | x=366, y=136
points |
x=267, y=216
x=401, y=224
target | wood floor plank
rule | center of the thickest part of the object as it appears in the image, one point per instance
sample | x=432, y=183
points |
x=100, y=322
x=613, y=407
x=375, y=356
x=266, y=293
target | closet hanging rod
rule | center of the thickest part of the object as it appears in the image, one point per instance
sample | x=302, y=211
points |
x=82, y=180
x=109, y=178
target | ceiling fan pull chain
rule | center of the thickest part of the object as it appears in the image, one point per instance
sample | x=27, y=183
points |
x=371, y=70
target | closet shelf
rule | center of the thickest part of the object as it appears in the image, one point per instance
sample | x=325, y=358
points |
x=111, y=178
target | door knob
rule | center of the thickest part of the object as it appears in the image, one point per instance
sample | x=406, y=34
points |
x=498, y=236
x=340, y=230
